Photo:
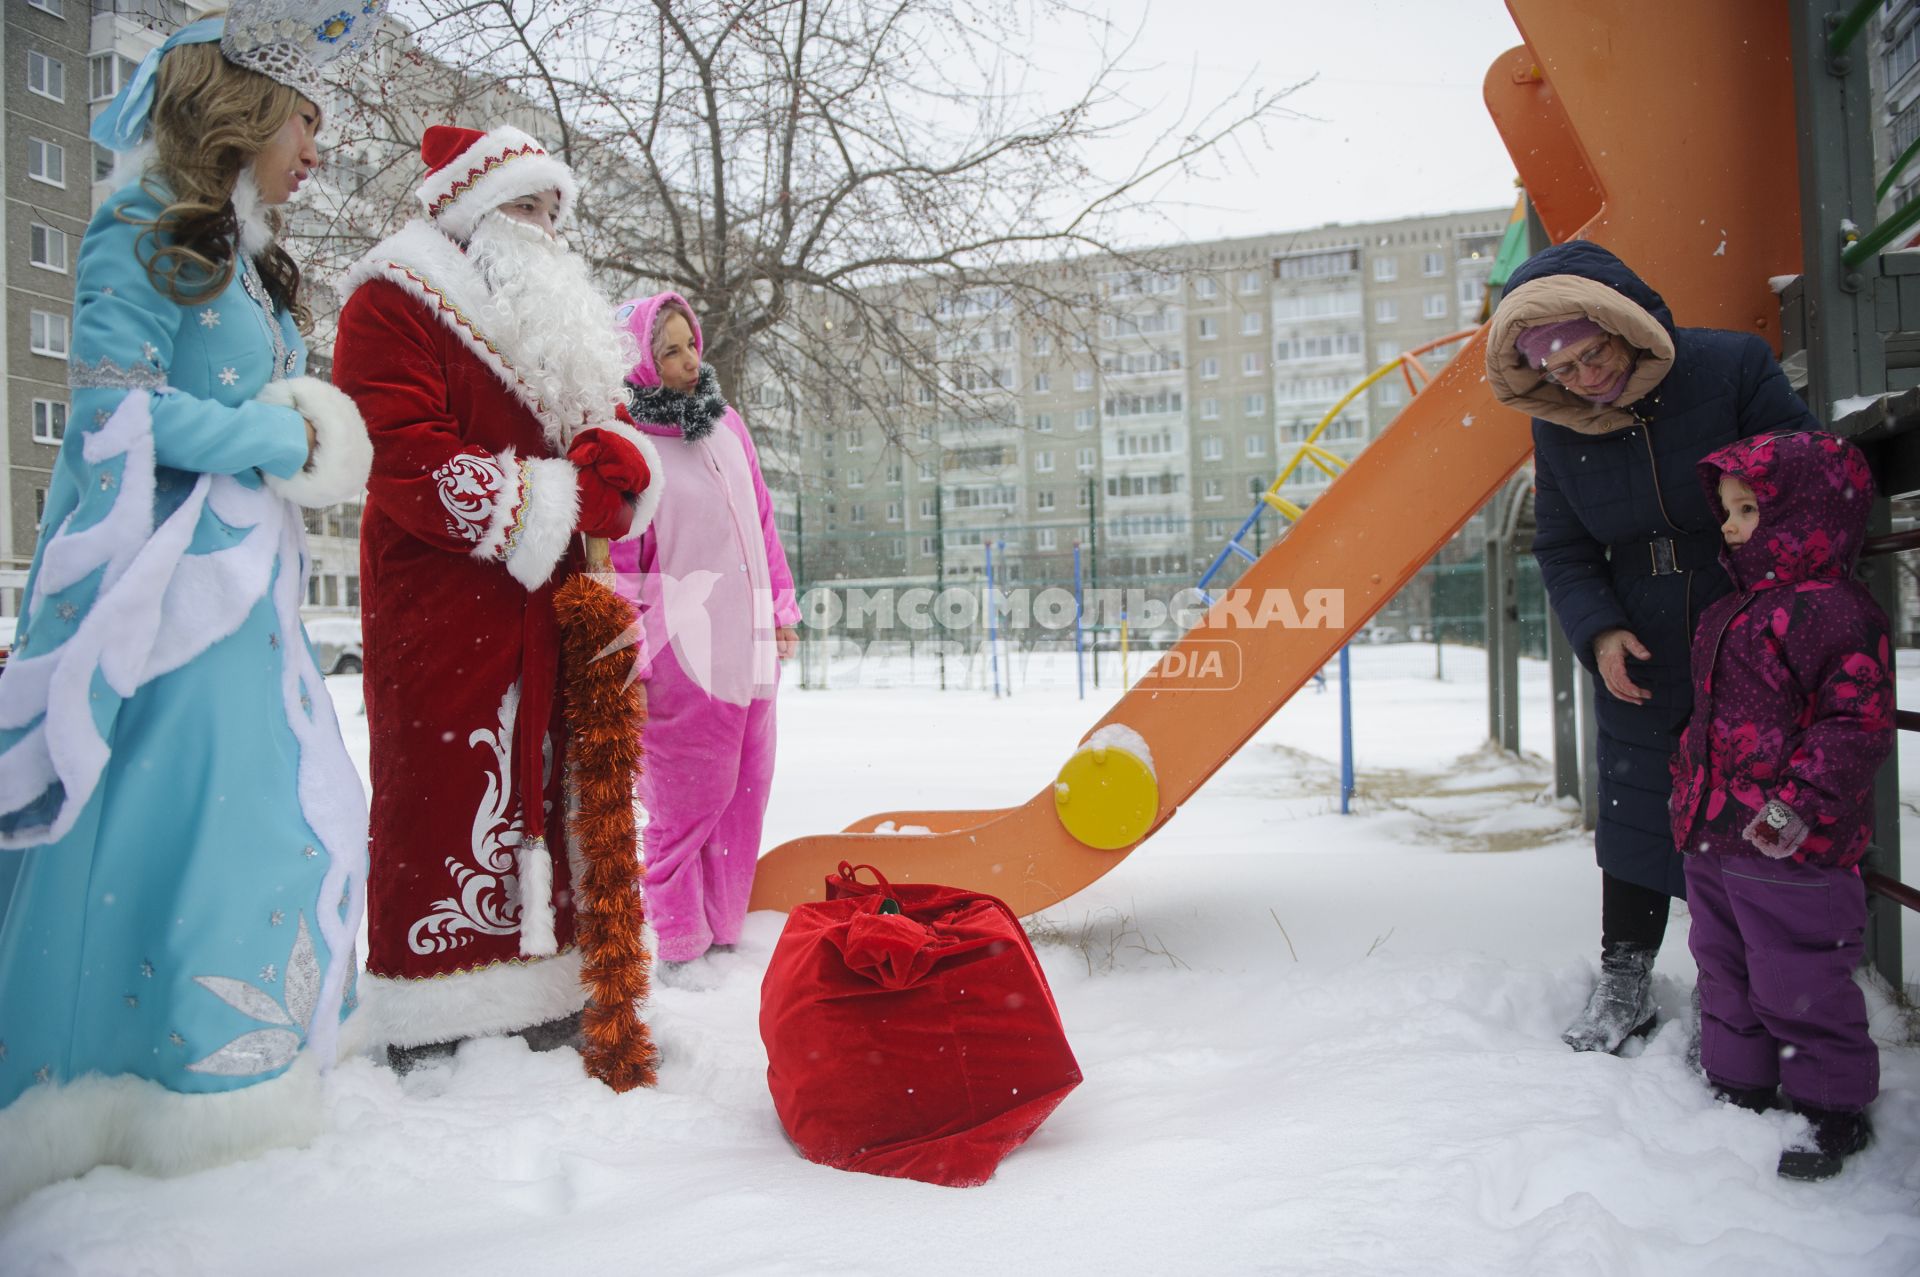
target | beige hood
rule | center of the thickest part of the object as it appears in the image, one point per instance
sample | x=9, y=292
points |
x=1552, y=299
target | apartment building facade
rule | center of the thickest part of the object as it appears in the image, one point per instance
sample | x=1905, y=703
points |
x=1146, y=431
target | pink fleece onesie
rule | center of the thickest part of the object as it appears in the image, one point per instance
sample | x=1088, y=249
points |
x=711, y=582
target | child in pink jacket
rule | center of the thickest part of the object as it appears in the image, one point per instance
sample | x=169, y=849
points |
x=717, y=612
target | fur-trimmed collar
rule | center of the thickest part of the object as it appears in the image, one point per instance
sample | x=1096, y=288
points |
x=693, y=415
x=256, y=230
x=435, y=271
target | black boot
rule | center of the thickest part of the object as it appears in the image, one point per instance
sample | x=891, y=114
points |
x=1754, y=1099
x=1837, y=1135
x=554, y=1034
x=1622, y=1003
x=405, y=1059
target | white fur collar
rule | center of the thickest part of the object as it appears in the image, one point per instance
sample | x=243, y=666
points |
x=256, y=232
x=433, y=270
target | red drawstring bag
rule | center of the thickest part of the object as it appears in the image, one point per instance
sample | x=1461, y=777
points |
x=910, y=1032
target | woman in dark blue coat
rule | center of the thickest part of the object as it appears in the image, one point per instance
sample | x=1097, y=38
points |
x=1623, y=404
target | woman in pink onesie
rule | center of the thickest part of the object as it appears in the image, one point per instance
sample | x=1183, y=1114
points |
x=717, y=613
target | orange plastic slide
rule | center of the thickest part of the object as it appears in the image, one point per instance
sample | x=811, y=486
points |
x=1663, y=131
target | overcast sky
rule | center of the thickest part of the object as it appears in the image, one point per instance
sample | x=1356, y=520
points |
x=1398, y=127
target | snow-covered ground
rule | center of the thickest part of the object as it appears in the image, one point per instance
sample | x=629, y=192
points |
x=1313, y=1043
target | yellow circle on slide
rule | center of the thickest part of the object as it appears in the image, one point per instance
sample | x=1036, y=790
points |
x=1107, y=798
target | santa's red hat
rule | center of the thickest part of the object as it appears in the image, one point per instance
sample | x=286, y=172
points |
x=470, y=173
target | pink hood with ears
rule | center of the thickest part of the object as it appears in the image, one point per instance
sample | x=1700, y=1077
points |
x=638, y=317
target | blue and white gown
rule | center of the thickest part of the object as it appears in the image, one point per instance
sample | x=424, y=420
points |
x=182, y=833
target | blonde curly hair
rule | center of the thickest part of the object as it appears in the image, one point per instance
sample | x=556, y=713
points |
x=210, y=119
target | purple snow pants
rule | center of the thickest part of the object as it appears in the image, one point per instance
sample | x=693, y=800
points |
x=1776, y=943
x=705, y=770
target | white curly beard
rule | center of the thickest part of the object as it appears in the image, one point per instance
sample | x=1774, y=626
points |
x=545, y=312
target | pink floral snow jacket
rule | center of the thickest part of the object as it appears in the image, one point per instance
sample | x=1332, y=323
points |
x=1793, y=696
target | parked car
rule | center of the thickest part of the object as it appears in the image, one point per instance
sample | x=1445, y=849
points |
x=336, y=643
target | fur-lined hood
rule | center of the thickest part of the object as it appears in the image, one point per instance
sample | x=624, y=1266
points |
x=1578, y=281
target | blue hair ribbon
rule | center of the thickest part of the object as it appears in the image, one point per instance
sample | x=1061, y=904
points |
x=121, y=126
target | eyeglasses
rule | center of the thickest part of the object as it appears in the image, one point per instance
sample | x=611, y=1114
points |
x=1564, y=373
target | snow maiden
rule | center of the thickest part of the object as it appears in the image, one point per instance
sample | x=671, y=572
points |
x=184, y=835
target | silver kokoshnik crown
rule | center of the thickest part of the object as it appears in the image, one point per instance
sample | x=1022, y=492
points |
x=288, y=41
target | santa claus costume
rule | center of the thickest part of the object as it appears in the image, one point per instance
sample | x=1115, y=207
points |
x=487, y=368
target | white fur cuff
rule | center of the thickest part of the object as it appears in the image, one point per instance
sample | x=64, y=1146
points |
x=342, y=453
x=502, y=998
x=648, y=503
x=548, y=515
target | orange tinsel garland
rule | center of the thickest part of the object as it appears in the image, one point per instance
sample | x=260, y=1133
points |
x=604, y=714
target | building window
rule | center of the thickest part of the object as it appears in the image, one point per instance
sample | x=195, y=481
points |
x=1209, y=410
x=1432, y=264
x=1210, y=449
x=1209, y=369
x=923, y=393
x=1256, y=445
x=1205, y=286
x=48, y=334
x=926, y=545
x=1385, y=311
x=1250, y=363
x=1043, y=500
x=106, y=73
x=1250, y=282
x=46, y=76
x=1043, y=461
x=1435, y=307
x=1386, y=269
x=1046, y=539
x=1212, y=490
x=1390, y=393
x=58, y=8
x=1386, y=351
x=1209, y=328
x=1472, y=289
x=49, y=420
x=1042, y=383
x=1254, y=405
x=1043, y=343
x=1250, y=324
x=46, y=162
x=102, y=163
x=1084, y=419
x=1083, y=380
x=1083, y=460
x=859, y=514
x=47, y=248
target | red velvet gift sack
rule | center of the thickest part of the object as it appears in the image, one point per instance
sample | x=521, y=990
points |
x=910, y=1032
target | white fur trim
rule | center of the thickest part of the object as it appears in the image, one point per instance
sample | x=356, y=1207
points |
x=423, y=263
x=648, y=503
x=131, y=166
x=343, y=454
x=536, y=900
x=501, y=998
x=256, y=231
x=56, y=1132
x=495, y=169
x=547, y=521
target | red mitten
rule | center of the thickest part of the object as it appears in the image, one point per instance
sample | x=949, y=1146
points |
x=605, y=510
x=1776, y=841
x=615, y=459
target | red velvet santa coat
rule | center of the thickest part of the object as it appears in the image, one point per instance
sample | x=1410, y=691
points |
x=469, y=527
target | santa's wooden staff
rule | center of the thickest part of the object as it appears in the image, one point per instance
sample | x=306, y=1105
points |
x=604, y=718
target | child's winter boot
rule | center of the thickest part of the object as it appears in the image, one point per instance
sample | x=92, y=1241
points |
x=1837, y=1134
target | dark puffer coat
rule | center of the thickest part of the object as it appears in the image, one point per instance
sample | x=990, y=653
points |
x=1617, y=495
x=1793, y=688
